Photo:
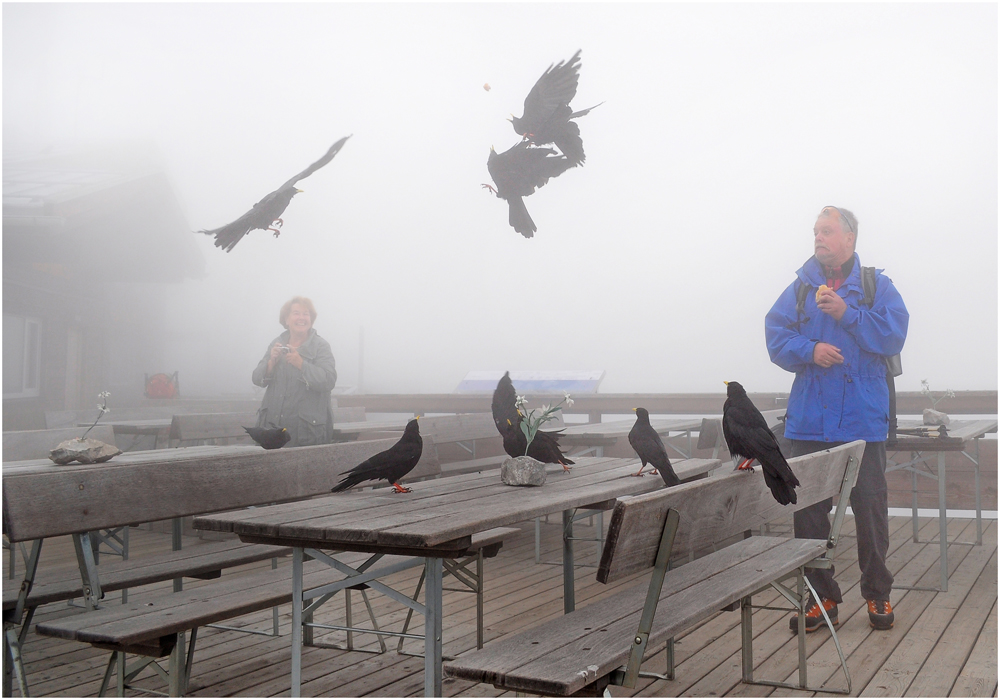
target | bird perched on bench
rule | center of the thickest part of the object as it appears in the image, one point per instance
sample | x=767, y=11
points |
x=266, y=213
x=749, y=438
x=648, y=445
x=547, y=113
x=269, y=438
x=544, y=447
x=392, y=464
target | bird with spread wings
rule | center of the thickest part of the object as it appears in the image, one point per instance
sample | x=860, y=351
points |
x=266, y=214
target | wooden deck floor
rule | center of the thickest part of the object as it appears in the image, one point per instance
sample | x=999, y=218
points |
x=943, y=644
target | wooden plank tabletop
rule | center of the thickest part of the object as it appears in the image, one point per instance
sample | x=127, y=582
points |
x=123, y=425
x=435, y=512
x=960, y=432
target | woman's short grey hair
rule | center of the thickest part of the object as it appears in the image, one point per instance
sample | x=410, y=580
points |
x=848, y=220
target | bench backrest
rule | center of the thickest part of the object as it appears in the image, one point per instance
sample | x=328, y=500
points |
x=348, y=414
x=46, y=501
x=210, y=426
x=715, y=509
x=36, y=444
x=711, y=435
x=459, y=427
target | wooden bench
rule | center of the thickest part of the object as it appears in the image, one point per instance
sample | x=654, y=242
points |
x=152, y=628
x=604, y=643
x=220, y=428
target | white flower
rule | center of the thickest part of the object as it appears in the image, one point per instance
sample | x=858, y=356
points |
x=104, y=395
x=545, y=408
x=569, y=402
x=521, y=401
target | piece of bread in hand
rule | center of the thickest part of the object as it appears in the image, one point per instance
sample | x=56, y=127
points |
x=822, y=288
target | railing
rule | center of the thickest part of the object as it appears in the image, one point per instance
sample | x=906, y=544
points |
x=907, y=403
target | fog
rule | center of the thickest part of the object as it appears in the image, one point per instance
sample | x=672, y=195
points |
x=724, y=130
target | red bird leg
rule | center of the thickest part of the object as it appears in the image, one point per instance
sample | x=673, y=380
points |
x=745, y=465
x=491, y=188
x=565, y=467
x=655, y=472
x=279, y=222
x=276, y=232
x=396, y=488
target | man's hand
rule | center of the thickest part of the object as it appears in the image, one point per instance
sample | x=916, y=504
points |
x=293, y=358
x=830, y=303
x=825, y=355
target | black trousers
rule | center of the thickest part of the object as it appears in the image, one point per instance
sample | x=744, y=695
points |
x=870, y=503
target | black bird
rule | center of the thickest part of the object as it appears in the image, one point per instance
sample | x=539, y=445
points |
x=392, y=464
x=267, y=212
x=269, y=438
x=544, y=447
x=518, y=172
x=648, y=445
x=504, y=406
x=749, y=438
x=547, y=113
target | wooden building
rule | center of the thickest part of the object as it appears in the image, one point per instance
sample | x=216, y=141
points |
x=93, y=242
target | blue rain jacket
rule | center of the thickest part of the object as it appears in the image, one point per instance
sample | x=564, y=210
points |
x=848, y=401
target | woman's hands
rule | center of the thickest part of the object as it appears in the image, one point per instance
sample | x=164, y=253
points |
x=293, y=358
x=281, y=352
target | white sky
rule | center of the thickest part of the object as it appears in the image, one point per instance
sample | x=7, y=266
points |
x=725, y=129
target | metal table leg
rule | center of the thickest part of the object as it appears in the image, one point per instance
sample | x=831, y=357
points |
x=943, y=521
x=569, y=575
x=296, y=622
x=432, y=627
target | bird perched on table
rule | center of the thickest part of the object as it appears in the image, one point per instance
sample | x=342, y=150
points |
x=749, y=438
x=266, y=214
x=545, y=445
x=518, y=172
x=269, y=438
x=648, y=445
x=504, y=404
x=392, y=464
x=547, y=113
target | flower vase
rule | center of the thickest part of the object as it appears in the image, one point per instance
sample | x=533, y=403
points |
x=522, y=471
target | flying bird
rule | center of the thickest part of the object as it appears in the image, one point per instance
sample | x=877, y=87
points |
x=392, y=464
x=547, y=113
x=266, y=214
x=518, y=172
x=749, y=438
x=648, y=445
x=269, y=438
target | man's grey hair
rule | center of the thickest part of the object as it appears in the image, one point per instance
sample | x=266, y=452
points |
x=848, y=221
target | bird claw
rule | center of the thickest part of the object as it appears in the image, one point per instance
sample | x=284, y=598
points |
x=276, y=232
x=745, y=466
x=278, y=222
x=566, y=468
x=396, y=488
x=491, y=188
x=655, y=472
x=639, y=473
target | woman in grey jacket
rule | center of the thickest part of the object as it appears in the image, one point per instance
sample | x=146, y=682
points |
x=299, y=372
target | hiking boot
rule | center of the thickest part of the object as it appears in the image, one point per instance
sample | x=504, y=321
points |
x=814, y=618
x=880, y=615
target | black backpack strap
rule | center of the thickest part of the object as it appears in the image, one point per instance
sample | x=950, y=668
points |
x=868, y=284
x=801, y=293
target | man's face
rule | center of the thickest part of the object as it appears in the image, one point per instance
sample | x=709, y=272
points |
x=833, y=244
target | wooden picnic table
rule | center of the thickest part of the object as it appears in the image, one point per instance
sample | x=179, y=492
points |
x=963, y=437
x=436, y=520
x=594, y=437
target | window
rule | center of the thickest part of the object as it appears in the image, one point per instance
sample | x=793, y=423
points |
x=21, y=356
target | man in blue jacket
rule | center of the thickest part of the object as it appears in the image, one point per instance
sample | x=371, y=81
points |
x=837, y=346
